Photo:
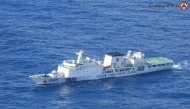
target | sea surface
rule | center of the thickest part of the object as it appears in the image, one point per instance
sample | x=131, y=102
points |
x=37, y=35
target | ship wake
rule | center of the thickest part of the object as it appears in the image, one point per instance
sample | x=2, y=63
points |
x=185, y=64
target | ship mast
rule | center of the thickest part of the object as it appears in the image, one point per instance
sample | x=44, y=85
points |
x=79, y=60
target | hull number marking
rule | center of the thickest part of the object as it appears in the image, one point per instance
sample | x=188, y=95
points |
x=70, y=79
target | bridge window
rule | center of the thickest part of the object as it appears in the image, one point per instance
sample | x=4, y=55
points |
x=153, y=65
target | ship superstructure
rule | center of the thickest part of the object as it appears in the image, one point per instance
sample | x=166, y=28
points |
x=115, y=64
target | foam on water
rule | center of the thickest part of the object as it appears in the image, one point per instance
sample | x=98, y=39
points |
x=185, y=64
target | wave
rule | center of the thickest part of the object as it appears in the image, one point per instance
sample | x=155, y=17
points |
x=185, y=64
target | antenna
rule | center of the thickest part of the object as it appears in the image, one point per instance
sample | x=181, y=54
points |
x=98, y=56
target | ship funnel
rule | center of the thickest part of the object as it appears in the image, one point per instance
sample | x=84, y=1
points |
x=79, y=60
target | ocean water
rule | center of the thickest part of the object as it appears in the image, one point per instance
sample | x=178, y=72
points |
x=36, y=36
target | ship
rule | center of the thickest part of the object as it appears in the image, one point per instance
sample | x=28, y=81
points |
x=115, y=64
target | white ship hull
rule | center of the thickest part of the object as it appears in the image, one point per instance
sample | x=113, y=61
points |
x=59, y=80
x=115, y=65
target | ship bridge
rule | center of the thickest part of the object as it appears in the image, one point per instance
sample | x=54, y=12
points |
x=79, y=63
x=80, y=66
